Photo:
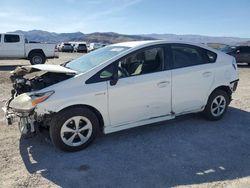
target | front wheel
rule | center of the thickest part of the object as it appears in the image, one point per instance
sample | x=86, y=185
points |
x=74, y=129
x=217, y=105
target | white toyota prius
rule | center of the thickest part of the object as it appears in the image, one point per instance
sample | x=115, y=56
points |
x=119, y=87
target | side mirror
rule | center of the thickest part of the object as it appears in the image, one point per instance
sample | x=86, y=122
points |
x=238, y=51
x=114, y=79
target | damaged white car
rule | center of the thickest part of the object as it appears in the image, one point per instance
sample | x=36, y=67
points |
x=121, y=86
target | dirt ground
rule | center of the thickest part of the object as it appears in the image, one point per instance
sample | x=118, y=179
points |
x=186, y=152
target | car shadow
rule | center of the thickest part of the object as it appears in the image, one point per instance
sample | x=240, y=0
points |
x=185, y=151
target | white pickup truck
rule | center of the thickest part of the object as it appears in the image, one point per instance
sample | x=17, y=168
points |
x=15, y=46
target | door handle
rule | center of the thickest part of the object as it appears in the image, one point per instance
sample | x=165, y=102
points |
x=101, y=93
x=163, y=84
x=206, y=74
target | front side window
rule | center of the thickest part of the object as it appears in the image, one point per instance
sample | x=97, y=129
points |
x=137, y=63
x=142, y=62
x=188, y=55
x=11, y=38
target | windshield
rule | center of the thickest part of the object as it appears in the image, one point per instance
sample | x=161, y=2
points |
x=227, y=49
x=95, y=58
x=221, y=47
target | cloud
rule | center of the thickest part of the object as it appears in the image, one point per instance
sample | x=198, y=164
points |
x=105, y=12
x=15, y=16
x=79, y=16
x=118, y=6
x=13, y=20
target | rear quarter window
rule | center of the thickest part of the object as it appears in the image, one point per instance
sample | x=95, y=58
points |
x=211, y=56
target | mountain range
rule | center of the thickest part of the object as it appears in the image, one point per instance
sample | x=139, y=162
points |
x=111, y=37
x=108, y=37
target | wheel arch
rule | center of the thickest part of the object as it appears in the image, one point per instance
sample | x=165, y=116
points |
x=223, y=88
x=93, y=109
x=36, y=51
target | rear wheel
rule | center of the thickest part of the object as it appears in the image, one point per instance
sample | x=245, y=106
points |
x=37, y=58
x=74, y=129
x=217, y=105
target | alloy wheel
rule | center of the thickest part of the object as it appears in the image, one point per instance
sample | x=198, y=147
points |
x=76, y=131
x=218, y=106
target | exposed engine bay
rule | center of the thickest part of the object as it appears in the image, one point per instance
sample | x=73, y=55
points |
x=27, y=79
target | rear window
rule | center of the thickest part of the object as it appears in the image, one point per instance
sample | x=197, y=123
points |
x=11, y=38
x=82, y=45
x=67, y=44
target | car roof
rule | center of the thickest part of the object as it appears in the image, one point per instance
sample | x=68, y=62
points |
x=135, y=44
x=10, y=34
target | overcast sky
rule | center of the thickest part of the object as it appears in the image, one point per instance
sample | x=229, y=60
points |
x=210, y=17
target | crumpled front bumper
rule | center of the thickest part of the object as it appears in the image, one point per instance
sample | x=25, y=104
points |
x=25, y=120
x=9, y=115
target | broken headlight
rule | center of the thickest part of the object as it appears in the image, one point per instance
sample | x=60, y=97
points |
x=27, y=102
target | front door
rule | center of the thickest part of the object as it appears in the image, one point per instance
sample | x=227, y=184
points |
x=143, y=90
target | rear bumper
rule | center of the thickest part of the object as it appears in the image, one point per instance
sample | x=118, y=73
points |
x=67, y=50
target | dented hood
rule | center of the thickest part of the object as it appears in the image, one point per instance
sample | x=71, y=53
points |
x=50, y=68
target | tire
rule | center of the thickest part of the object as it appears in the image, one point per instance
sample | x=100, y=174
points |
x=64, y=133
x=37, y=58
x=217, y=105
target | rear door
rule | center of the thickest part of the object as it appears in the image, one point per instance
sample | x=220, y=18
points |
x=12, y=47
x=143, y=90
x=192, y=77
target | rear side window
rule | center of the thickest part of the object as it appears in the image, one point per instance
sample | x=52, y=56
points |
x=188, y=55
x=244, y=49
x=11, y=38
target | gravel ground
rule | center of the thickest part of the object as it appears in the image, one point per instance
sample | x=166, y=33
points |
x=186, y=152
